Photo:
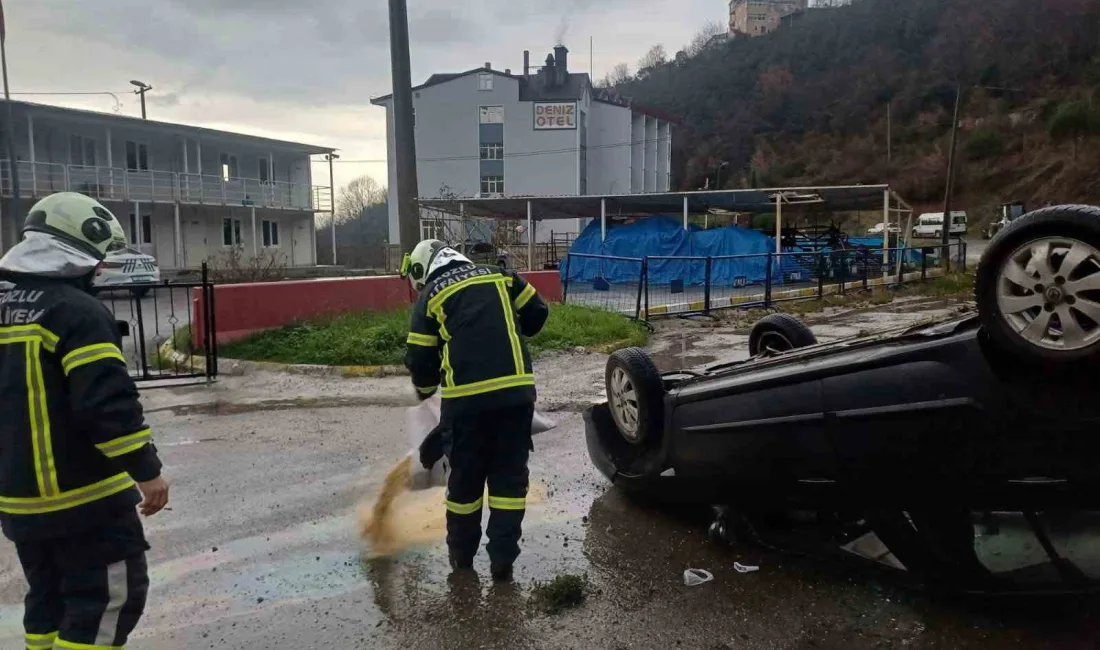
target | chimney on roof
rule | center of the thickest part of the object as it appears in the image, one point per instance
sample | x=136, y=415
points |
x=549, y=77
x=561, y=65
x=526, y=63
x=488, y=65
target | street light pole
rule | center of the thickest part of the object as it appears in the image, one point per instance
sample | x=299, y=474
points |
x=142, y=88
x=332, y=201
x=724, y=164
x=9, y=133
x=945, y=234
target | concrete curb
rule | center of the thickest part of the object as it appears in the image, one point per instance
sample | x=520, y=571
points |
x=229, y=366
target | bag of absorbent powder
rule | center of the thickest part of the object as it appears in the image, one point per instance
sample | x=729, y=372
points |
x=426, y=439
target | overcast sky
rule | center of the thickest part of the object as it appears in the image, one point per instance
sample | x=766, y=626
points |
x=305, y=70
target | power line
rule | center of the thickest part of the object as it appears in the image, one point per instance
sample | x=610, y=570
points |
x=520, y=154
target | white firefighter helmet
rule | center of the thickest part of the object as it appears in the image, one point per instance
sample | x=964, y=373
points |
x=429, y=256
x=79, y=220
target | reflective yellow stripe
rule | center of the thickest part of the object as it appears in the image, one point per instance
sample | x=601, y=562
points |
x=125, y=444
x=435, y=305
x=488, y=386
x=69, y=645
x=448, y=371
x=525, y=296
x=21, y=333
x=66, y=500
x=510, y=324
x=422, y=340
x=427, y=390
x=507, y=503
x=44, y=471
x=90, y=354
x=39, y=641
x=463, y=508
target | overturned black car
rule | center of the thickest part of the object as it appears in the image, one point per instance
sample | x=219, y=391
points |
x=965, y=451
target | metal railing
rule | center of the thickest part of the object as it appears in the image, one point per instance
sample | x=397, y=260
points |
x=661, y=285
x=151, y=315
x=39, y=179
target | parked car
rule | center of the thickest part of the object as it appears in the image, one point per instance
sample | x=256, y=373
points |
x=125, y=268
x=899, y=435
x=930, y=224
x=877, y=229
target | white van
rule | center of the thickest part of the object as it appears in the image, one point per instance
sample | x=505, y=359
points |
x=930, y=224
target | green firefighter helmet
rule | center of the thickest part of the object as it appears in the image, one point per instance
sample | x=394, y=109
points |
x=79, y=220
x=428, y=256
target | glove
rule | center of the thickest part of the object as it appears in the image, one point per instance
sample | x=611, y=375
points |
x=423, y=394
x=431, y=450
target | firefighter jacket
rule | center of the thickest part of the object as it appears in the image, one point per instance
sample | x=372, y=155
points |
x=72, y=437
x=466, y=337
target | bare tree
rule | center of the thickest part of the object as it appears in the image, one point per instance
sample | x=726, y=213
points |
x=356, y=197
x=654, y=57
x=619, y=75
x=704, y=36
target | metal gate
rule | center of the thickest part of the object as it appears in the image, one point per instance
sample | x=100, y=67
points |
x=152, y=316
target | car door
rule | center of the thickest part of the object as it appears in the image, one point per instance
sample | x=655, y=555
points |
x=766, y=425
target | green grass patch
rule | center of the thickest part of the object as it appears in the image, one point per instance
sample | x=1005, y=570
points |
x=378, y=338
x=563, y=592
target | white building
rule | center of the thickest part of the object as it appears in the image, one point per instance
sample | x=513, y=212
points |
x=484, y=132
x=184, y=194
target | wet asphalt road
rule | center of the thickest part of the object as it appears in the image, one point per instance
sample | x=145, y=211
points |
x=260, y=549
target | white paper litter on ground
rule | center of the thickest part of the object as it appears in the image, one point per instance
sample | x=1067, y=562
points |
x=696, y=577
x=744, y=568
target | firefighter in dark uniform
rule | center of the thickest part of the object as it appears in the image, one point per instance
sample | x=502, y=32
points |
x=467, y=340
x=73, y=441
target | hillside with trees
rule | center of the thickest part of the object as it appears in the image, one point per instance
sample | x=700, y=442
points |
x=815, y=101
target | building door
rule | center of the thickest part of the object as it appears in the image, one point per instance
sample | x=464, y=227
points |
x=299, y=251
x=194, y=242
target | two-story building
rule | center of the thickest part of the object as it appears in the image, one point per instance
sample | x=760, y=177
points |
x=184, y=194
x=759, y=17
x=486, y=133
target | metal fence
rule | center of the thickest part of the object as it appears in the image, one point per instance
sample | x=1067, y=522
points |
x=653, y=286
x=150, y=315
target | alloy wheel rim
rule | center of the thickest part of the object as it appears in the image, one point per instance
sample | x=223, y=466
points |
x=624, y=404
x=1048, y=291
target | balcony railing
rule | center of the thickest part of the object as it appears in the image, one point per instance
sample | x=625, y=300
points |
x=116, y=184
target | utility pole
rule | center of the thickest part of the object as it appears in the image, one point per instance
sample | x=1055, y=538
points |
x=142, y=88
x=9, y=133
x=945, y=234
x=332, y=201
x=408, y=211
x=889, y=132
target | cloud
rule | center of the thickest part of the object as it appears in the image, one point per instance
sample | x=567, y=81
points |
x=305, y=70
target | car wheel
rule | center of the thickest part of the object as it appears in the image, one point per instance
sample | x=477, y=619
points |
x=1038, y=286
x=938, y=235
x=779, y=333
x=635, y=395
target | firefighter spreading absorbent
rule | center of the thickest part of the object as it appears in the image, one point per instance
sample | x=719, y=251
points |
x=467, y=343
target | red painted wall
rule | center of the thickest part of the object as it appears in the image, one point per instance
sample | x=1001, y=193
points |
x=242, y=309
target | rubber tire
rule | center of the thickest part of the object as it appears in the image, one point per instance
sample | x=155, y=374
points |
x=650, y=391
x=1078, y=221
x=788, y=326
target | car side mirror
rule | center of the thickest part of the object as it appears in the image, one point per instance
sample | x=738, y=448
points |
x=123, y=328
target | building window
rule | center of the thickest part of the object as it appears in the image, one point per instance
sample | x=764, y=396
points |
x=491, y=114
x=264, y=170
x=271, y=234
x=231, y=232
x=82, y=151
x=146, y=229
x=485, y=81
x=137, y=156
x=492, y=185
x=230, y=169
x=492, y=152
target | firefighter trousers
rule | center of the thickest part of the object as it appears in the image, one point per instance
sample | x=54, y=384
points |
x=87, y=591
x=488, y=447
